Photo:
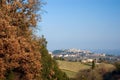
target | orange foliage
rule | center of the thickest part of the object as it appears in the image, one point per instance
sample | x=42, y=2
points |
x=18, y=52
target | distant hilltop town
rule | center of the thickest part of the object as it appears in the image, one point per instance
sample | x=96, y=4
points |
x=82, y=55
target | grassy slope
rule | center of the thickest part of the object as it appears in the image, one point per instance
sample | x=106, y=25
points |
x=71, y=68
x=70, y=74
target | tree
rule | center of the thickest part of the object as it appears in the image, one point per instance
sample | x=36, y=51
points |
x=19, y=53
x=50, y=70
x=93, y=64
x=117, y=65
x=23, y=56
x=20, y=13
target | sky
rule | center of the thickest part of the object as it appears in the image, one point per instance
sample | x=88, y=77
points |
x=81, y=24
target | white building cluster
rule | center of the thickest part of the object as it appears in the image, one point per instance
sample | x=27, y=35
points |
x=81, y=55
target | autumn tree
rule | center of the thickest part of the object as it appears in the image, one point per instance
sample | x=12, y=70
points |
x=19, y=53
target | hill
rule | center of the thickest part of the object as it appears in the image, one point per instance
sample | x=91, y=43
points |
x=72, y=68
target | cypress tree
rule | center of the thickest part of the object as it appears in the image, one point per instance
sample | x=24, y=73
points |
x=93, y=64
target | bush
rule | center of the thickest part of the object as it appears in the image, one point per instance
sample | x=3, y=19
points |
x=88, y=75
x=117, y=65
x=100, y=72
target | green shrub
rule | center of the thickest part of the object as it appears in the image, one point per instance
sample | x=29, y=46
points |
x=98, y=73
x=117, y=65
x=10, y=75
x=88, y=75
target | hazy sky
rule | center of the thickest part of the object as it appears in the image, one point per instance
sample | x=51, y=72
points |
x=82, y=24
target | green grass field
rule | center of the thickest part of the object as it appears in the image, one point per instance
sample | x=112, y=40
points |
x=70, y=74
x=71, y=68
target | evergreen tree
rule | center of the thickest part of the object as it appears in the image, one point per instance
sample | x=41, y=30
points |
x=50, y=70
x=93, y=64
